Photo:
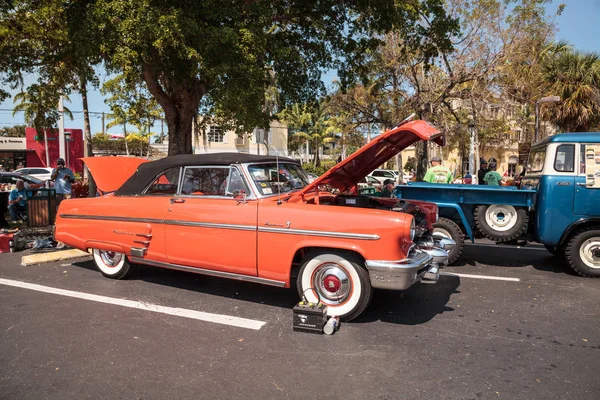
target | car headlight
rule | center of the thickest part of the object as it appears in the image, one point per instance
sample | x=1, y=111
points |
x=413, y=229
x=437, y=214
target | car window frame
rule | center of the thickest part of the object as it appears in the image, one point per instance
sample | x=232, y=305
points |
x=144, y=192
x=202, y=196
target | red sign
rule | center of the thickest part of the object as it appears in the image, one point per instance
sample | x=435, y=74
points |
x=36, y=148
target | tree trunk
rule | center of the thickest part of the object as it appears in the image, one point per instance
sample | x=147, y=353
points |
x=87, y=135
x=421, y=150
x=180, y=100
x=125, y=138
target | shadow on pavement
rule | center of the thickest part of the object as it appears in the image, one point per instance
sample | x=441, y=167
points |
x=417, y=305
x=509, y=257
x=414, y=306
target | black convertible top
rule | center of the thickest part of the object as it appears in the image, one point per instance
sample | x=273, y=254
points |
x=147, y=172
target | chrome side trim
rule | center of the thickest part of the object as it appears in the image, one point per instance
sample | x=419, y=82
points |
x=113, y=218
x=302, y=232
x=339, y=235
x=202, y=271
x=211, y=225
x=138, y=252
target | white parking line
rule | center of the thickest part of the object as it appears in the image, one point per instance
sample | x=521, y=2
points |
x=493, y=278
x=179, y=312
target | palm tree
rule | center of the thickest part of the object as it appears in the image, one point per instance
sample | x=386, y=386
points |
x=119, y=117
x=321, y=131
x=298, y=119
x=575, y=77
x=40, y=109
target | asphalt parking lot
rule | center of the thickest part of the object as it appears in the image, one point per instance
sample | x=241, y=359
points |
x=533, y=332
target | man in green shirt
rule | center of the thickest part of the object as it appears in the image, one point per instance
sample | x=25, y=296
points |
x=438, y=173
x=493, y=178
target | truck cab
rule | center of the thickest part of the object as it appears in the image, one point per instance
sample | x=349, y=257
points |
x=565, y=171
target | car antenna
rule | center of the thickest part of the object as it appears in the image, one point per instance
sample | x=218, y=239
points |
x=278, y=183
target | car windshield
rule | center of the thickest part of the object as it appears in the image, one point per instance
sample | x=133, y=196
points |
x=273, y=178
x=536, y=159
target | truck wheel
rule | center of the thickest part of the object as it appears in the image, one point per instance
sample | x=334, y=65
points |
x=501, y=223
x=112, y=264
x=341, y=281
x=583, y=252
x=450, y=229
x=555, y=250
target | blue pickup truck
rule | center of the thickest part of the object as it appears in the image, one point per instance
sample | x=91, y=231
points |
x=557, y=205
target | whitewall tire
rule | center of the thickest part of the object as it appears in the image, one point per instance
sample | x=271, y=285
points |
x=340, y=280
x=111, y=264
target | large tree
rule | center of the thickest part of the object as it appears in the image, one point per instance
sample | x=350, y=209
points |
x=221, y=55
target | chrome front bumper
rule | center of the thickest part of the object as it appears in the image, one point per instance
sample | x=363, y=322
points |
x=422, y=264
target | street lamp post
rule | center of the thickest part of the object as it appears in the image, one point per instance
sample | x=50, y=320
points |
x=549, y=99
x=67, y=138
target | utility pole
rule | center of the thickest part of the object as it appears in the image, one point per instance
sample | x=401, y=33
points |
x=61, y=129
x=103, y=122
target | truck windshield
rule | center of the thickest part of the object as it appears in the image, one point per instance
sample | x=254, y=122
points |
x=536, y=159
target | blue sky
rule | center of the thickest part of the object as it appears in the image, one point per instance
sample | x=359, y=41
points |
x=579, y=25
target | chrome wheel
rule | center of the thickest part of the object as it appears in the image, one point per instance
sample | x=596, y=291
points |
x=589, y=252
x=332, y=283
x=110, y=258
x=112, y=264
x=501, y=217
x=442, y=232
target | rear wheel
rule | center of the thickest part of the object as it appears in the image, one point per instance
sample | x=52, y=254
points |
x=339, y=279
x=501, y=223
x=450, y=229
x=112, y=264
x=583, y=252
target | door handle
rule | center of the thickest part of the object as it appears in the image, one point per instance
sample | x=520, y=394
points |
x=177, y=200
x=581, y=184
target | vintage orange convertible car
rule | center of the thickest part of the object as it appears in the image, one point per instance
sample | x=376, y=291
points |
x=258, y=219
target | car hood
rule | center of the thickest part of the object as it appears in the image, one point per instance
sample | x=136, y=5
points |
x=348, y=172
x=111, y=172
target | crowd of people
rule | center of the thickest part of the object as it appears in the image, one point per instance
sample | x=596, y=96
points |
x=438, y=173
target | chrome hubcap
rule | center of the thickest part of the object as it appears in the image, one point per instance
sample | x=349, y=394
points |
x=442, y=232
x=590, y=252
x=332, y=283
x=110, y=258
x=501, y=217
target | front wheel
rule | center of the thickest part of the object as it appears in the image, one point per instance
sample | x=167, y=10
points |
x=583, y=252
x=450, y=229
x=112, y=264
x=340, y=280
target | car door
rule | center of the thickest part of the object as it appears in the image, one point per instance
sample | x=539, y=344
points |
x=211, y=224
x=587, y=182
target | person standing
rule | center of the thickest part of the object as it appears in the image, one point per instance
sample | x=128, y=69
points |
x=63, y=177
x=438, y=173
x=17, y=200
x=483, y=169
x=492, y=178
x=388, y=188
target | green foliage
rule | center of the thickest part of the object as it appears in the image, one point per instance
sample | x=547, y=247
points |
x=319, y=170
x=136, y=143
x=411, y=164
x=13, y=131
x=574, y=77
